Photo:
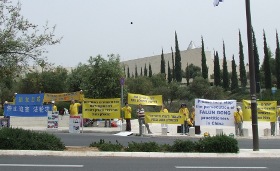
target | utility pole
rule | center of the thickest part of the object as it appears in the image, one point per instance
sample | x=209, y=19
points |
x=252, y=78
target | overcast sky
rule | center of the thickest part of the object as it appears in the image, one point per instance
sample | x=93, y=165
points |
x=92, y=27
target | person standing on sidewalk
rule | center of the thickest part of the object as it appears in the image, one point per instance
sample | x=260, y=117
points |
x=74, y=108
x=141, y=119
x=185, y=112
x=238, y=121
x=54, y=108
x=127, y=116
x=164, y=110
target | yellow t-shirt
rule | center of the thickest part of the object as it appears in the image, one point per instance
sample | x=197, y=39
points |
x=54, y=108
x=238, y=116
x=185, y=112
x=127, y=112
x=193, y=116
x=164, y=111
x=74, y=109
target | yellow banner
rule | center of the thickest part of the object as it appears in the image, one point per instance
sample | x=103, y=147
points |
x=78, y=95
x=102, y=108
x=144, y=100
x=164, y=118
x=266, y=110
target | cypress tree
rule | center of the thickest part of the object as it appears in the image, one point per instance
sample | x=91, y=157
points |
x=242, y=70
x=277, y=61
x=136, y=73
x=234, y=79
x=173, y=66
x=169, y=76
x=217, y=71
x=266, y=64
x=141, y=72
x=203, y=61
x=188, y=74
x=162, y=63
x=178, y=67
x=150, y=70
x=257, y=63
x=128, y=74
x=145, y=71
x=225, y=70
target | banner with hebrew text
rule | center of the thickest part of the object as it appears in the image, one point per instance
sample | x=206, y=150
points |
x=164, y=118
x=78, y=95
x=266, y=110
x=144, y=100
x=102, y=108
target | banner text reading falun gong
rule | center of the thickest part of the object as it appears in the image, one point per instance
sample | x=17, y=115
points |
x=214, y=112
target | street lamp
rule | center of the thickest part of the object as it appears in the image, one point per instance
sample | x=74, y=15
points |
x=252, y=79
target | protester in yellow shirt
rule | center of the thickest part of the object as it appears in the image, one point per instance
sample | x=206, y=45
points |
x=164, y=110
x=54, y=108
x=127, y=116
x=74, y=108
x=238, y=121
x=185, y=112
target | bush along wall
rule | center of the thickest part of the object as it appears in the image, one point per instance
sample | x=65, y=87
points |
x=215, y=144
x=20, y=139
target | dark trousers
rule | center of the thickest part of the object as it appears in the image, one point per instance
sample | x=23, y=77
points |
x=185, y=127
x=128, y=125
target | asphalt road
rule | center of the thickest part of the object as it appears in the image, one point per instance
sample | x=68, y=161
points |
x=51, y=163
x=86, y=138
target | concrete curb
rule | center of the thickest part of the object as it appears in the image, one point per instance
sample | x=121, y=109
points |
x=244, y=153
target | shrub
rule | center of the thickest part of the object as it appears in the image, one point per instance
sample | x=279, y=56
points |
x=19, y=139
x=107, y=146
x=183, y=146
x=217, y=144
x=143, y=147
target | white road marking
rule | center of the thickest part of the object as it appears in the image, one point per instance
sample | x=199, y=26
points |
x=39, y=165
x=206, y=167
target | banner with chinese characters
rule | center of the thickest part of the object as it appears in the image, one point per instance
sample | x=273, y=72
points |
x=29, y=99
x=214, y=112
x=102, y=108
x=266, y=110
x=164, y=118
x=78, y=95
x=27, y=110
x=144, y=100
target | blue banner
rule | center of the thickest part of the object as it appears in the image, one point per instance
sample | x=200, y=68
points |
x=27, y=110
x=29, y=99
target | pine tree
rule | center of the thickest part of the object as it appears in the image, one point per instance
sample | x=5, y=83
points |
x=141, y=72
x=178, y=67
x=145, y=71
x=150, y=70
x=169, y=76
x=256, y=63
x=188, y=74
x=173, y=66
x=234, y=79
x=128, y=74
x=225, y=70
x=217, y=71
x=266, y=64
x=242, y=70
x=203, y=61
x=162, y=63
x=136, y=72
x=277, y=61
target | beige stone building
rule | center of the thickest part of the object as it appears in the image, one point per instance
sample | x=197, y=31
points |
x=190, y=56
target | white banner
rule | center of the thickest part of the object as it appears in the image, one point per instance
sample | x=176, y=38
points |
x=214, y=112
